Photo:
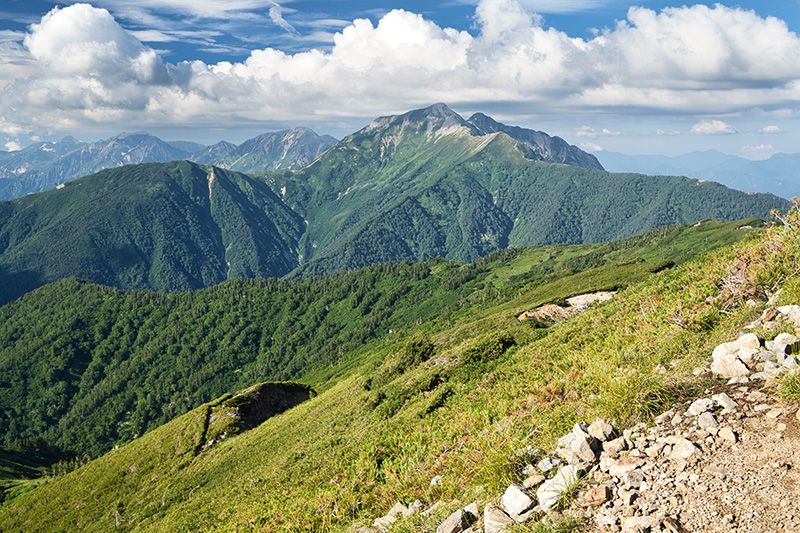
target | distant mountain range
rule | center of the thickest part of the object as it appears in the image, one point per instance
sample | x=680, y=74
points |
x=404, y=188
x=43, y=166
x=779, y=175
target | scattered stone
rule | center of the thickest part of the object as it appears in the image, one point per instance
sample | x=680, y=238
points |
x=727, y=434
x=601, y=430
x=700, y=406
x=614, y=446
x=436, y=480
x=706, y=421
x=724, y=401
x=683, y=449
x=455, y=523
x=547, y=464
x=495, y=520
x=516, y=500
x=395, y=513
x=597, y=496
x=432, y=509
x=532, y=481
x=605, y=520
x=625, y=465
x=550, y=491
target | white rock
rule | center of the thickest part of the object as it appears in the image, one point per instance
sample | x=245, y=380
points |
x=601, y=430
x=725, y=401
x=495, y=520
x=700, y=406
x=683, y=449
x=516, y=500
x=455, y=523
x=706, y=420
x=395, y=513
x=551, y=490
x=605, y=520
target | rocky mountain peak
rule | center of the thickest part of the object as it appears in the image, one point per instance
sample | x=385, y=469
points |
x=547, y=148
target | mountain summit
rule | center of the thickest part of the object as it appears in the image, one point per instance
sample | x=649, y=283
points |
x=546, y=148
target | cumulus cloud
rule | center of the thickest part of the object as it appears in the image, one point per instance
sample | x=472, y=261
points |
x=762, y=151
x=13, y=146
x=78, y=67
x=771, y=129
x=712, y=127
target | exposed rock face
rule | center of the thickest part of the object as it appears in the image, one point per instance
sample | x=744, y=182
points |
x=251, y=407
x=575, y=305
x=546, y=148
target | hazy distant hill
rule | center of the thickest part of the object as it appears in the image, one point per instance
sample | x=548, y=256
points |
x=779, y=175
x=43, y=166
x=280, y=150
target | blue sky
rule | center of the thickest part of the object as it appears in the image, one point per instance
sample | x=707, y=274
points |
x=649, y=77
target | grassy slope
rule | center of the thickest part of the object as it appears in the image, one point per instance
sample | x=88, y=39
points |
x=102, y=366
x=383, y=433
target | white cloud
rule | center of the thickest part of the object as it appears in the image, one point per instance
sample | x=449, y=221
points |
x=13, y=146
x=212, y=9
x=712, y=127
x=668, y=133
x=592, y=133
x=276, y=15
x=11, y=35
x=591, y=147
x=762, y=151
x=771, y=129
x=80, y=68
x=561, y=6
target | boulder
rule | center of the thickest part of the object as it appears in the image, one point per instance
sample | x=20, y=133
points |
x=683, y=449
x=730, y=359
x=516, y=500
x=455, y=523
x=700, y=406
x=550, y=491
x=495, y=520
x=601, y=430
x=395, y=513
x=725, y=401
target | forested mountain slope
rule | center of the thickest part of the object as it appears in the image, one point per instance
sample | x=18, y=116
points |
x=430, y=184
x=405, y=188
x=161, y=226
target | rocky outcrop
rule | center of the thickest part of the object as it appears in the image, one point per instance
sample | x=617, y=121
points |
x=551, y=313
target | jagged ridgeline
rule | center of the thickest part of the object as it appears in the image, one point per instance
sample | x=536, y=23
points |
x=431, y=184
x=86, y=366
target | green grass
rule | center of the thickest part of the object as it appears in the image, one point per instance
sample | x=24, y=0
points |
x=338, y=460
